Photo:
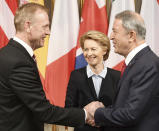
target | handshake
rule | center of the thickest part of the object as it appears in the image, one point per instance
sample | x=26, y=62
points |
x=90, y=110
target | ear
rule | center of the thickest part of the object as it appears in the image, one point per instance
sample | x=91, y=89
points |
x=132, y=36
x=27, y=26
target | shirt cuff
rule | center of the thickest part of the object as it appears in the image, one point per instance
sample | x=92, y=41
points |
x=85, y=114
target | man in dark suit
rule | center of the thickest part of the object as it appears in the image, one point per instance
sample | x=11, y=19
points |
x=137, y=104
x=95, y=82
x=23, y=105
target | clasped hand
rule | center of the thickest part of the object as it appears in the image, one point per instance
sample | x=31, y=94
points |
x=90, y=109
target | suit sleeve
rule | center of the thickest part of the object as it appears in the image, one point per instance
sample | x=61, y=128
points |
x=25, y=83
x=140, y=89
x=72, y=92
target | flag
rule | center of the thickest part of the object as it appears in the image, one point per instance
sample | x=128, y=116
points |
x=7, y=12
x=61, y=50
x=94, y=17
x=21, y=2
x=150, y=13
x=115, y=61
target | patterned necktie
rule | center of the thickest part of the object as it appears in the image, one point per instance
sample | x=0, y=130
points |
x=123, y=68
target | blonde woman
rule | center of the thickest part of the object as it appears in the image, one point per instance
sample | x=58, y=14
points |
x=95, y=82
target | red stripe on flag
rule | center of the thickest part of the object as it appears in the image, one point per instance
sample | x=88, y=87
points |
x=93, y=14
x=94, y=18
x=3, y=38
x=57, y=77
x=43, y=82
x=13, y=4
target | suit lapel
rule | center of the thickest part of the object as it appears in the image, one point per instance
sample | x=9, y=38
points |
x=90, y=84
x=105, y=85
x=123, y=78
x=130, y=65
x=21, y=48
x=107, y=88
x=25, y=55
x=24, y=52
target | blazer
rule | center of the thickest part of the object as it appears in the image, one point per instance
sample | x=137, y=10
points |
x=81, y=91
x=23, y=105
x=137, y=104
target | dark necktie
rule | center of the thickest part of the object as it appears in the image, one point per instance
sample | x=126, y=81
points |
x=123, y=68
x=34, y=58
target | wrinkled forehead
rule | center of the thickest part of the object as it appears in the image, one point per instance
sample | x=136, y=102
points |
x=117, y=24
x=40, y=15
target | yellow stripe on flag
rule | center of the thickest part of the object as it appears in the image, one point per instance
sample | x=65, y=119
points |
x=41, y=55
x=37, y=1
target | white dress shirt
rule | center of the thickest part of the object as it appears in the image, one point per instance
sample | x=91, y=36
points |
x=134, y=52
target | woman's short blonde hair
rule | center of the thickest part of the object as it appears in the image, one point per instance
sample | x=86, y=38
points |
x=99, y=37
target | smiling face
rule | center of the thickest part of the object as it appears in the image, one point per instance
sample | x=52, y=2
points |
x=120, y=38
x=93, y=52
x=39, y=29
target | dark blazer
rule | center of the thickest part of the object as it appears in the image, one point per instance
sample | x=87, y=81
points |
x=137, y=105
x=23, y=105
x=81, y=91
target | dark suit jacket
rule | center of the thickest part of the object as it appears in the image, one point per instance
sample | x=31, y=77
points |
x=137, y=105
x=23, y=105
x=81, y=91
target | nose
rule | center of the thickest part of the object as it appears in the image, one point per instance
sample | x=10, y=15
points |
x=89, y=52
x=111, y=36
x=48, y=31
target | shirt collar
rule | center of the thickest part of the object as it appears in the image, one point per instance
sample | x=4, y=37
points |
x=102, y=74
x=25, y=45
x=134, y=52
